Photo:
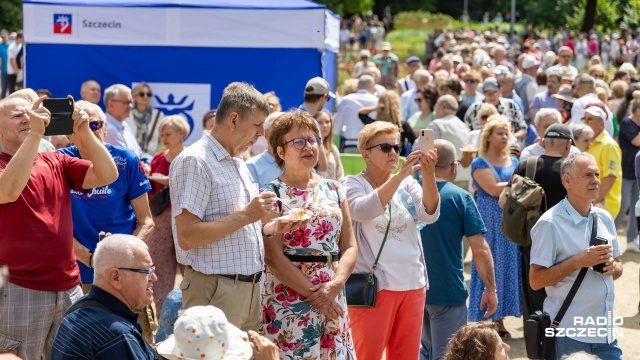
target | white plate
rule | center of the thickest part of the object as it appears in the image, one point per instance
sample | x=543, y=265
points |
x=158, y=177
x=287, y=219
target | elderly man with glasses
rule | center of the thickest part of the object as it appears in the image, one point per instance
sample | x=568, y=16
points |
x=103, y=324
x=564, y=60
x=118, y=102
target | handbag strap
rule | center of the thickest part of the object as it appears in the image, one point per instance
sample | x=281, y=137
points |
x=576, y=284
x=153, y=130
x=493, y=169
x=386, y=232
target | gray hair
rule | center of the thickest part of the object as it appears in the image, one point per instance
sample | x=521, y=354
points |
x=116, y=250
x=565, y=48
x=365, y=82
x=448, y=101
x=585, y=81
x=375, y=72
x=544, y=112
x=463, y=67
x=271, y=118
x=27, y=94
x=508, y=76
x=241, y=98
x=569, y=163
x=580, y=130
x=420, y=74
x=446, y=153
x=113, y=91
x=86, y=83
x=87, y=106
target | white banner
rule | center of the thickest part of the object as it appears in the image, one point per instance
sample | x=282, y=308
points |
x=154, y=26
x=190, y=101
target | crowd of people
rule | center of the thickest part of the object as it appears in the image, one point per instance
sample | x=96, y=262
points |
x=115, y=210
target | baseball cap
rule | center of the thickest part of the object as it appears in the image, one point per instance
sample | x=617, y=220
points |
x=529, y=62
x=386, y=46
x=204, y=332
x=558, y=131
x=318, y=86
x=491, y=84
x=501, y=70
x=597, y=111
x=412, y=59
x=365, y=53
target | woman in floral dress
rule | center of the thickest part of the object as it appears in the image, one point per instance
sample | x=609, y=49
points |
x=304, y=308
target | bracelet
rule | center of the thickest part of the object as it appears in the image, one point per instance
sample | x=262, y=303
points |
x=489, y=292
x=265, y=236
x=90, y=259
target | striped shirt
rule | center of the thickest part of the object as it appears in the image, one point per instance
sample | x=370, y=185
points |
x=97, y=333
x=206, y=181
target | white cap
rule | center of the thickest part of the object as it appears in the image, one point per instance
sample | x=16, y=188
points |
x=597, y=111
x=529, y=62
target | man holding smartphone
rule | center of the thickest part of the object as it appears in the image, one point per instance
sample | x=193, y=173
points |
x=560, y=248
x=36, y=240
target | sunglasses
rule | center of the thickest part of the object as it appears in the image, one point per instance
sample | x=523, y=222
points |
x=143, y=94
x=386, y=148
x=418, y=100
x=95, y=125
x=470, y=81
x=299, y=143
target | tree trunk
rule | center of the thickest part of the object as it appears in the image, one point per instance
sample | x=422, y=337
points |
x=589, y=15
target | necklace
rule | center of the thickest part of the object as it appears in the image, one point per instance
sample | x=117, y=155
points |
x=368, y=179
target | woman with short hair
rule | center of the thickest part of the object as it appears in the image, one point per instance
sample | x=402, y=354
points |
x=477, y=341
x=391, y=206
x=303, y=303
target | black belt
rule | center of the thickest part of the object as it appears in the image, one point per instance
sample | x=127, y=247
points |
x=312, y=258
x=254, y=278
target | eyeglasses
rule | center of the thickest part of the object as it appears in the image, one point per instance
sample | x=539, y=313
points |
x=95, y=125
x=418, y=100
x=470, y=81
x=125, y=102
x=143, y=94
x=386, y=148
x=299, y=143
x=149, y=272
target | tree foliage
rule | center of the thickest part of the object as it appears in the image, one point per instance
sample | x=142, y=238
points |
x=344, y=7
x=631, y=14
x=11, y=14
x=606, y=18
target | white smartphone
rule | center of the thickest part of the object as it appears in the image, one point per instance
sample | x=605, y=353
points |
x=426, y=140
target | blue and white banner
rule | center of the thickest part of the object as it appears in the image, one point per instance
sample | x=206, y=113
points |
x=190, y=101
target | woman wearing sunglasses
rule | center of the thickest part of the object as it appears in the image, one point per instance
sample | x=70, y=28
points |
x=386, y=210
x=303, y=304
x=470, y=94
x=144, y=119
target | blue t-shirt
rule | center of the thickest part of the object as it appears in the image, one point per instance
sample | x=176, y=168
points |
x=107, y=208
x=443, y=248
x=4, y=55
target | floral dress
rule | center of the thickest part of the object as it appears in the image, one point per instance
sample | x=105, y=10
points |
x=300, y=330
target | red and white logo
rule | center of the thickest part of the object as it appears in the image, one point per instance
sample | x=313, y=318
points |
x=62, y=24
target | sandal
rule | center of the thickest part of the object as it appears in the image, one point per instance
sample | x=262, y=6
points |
x=504, y=334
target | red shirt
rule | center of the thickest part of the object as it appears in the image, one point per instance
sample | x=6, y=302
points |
x=36, y=231
x=159, y=165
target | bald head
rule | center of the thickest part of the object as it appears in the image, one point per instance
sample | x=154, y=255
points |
x=115, y=251
x=90, y=91
x=445, y=167
x=446, y=105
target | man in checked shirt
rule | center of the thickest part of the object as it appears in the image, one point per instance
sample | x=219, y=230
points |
x=216, y=211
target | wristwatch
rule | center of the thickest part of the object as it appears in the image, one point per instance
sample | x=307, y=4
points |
x=265, y=236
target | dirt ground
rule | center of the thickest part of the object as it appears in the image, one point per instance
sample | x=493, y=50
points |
x=626, y=305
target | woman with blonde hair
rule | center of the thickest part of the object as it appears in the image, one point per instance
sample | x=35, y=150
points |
x=491, y=172
x=388, y=109
x=598, y=72
x=334, y=166
x=618, y=88
x=472, y=80
x=173, y=131
x=274, y=102
x=144, y=119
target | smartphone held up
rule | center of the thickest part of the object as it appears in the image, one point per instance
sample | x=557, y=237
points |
x=61, y=122
x=427, y=138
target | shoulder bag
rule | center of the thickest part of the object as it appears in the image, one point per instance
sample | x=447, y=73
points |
x=362, y=288
x=159, y=201
x=539, y=340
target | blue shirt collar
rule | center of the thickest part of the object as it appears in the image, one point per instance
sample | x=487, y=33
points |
x=573, y=213
x=113, y=303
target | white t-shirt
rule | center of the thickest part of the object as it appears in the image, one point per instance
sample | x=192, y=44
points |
x=12, y=53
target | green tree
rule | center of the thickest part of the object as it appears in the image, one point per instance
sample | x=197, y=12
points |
x=11, y=14
x=631, y=14
x=342, y=7
x=605, y=15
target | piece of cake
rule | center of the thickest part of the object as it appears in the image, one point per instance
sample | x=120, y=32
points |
x=296, y=214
